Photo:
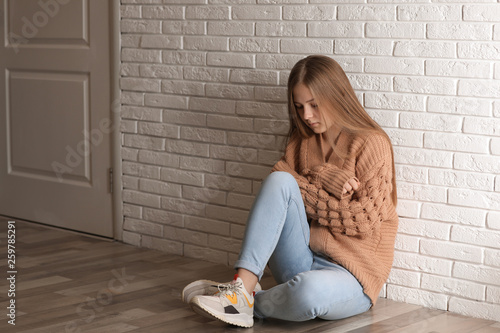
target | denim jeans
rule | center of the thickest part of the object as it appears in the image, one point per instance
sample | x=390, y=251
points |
x=309, y=285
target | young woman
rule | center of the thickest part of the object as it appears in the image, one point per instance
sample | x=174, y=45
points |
x=324, y=220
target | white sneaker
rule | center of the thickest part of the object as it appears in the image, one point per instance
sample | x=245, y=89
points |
x=232, y=305
x=206, y=287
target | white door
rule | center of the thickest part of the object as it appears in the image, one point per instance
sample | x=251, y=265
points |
x=55, y=152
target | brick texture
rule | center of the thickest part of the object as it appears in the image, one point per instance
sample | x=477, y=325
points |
x=204, y=118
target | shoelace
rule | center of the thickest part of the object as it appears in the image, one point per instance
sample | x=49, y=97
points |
x=234, y=288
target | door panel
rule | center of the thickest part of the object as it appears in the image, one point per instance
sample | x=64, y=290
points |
x=37, y=142
x=49, y=21
x=55, y=113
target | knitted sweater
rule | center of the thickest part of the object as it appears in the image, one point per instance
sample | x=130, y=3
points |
x=357, y=229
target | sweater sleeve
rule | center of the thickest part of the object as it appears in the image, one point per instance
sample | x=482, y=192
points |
x=359, y=213
x=331, y=178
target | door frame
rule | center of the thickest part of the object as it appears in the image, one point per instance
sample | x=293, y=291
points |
x=115, y=113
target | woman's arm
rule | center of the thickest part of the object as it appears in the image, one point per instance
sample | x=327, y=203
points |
x=331, y=178
x=354, y=215
x=358, y=213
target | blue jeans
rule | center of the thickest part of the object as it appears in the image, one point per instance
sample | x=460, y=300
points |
x=309, y=285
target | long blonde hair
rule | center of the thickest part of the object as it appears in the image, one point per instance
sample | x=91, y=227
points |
x=336, y=99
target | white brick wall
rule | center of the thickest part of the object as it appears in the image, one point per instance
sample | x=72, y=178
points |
x=204, y=119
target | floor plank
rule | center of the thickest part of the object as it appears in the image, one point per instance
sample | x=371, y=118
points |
x=69, y=282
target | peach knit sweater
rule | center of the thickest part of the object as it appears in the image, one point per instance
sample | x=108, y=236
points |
x=358, y=229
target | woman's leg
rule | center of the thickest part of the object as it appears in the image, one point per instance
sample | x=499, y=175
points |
x=277, y=230
x=328, y=291
x=277, y=226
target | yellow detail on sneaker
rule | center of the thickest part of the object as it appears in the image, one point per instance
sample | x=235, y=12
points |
x=233, y=298
x=248, y=302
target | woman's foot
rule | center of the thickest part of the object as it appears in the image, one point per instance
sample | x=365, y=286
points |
x=206, y=288
x=232, y=305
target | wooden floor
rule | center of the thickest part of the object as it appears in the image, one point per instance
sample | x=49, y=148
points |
x=67, y=282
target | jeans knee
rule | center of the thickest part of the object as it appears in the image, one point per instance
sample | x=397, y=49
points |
x=281, y=180
x=308, y=293
x=281, y=176
x=329, y=302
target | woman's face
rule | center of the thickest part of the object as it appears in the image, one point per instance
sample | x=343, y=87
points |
x=308, y=109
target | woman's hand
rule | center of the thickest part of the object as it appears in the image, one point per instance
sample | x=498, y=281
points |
x=351, y=185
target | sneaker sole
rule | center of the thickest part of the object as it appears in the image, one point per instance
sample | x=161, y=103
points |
x=241, y=320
